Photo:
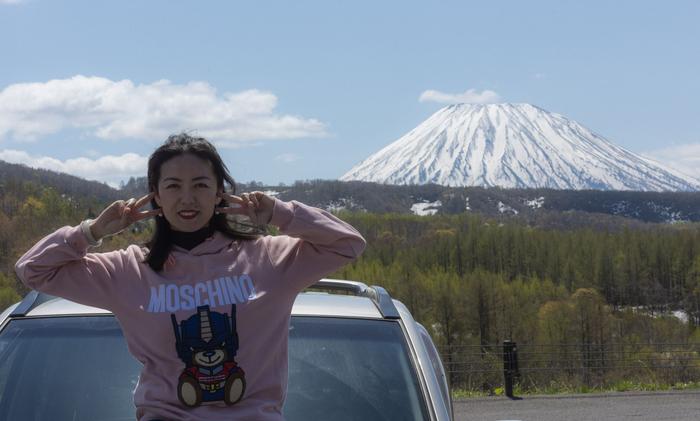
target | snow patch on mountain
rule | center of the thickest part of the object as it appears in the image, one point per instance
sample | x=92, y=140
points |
x=620, y=207
x=680, y=315
x=503, y=208
x=535, y=203
x=426, y=208
x=667, y=214
x=344, y=204
x=625, y=208
x=515, y=146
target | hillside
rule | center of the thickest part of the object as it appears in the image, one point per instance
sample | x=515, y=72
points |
x=542, y=207
x=64, y=183
x=545, y=207
x=535, y=206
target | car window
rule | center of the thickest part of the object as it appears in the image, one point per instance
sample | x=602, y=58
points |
x=350, y=369
x=67, y=368
x=78, y=368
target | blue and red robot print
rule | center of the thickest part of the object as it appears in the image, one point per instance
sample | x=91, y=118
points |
x=207, y=343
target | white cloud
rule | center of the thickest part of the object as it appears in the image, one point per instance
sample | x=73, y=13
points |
x=121, y=109
x=684, y=158
x=287, y=157
x=109, y=169
x=10, y=1
x=470, y=96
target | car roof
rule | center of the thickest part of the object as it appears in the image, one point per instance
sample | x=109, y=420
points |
x=328, y=297
x=306, y=304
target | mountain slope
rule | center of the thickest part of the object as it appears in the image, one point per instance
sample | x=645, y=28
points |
x=516, y=146
x=63, y=183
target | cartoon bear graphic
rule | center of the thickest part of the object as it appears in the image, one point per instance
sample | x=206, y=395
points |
x=207, y=343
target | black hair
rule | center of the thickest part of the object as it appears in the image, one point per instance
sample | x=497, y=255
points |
x=160, y=244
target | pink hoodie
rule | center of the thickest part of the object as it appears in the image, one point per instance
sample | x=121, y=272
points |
x=214, y=321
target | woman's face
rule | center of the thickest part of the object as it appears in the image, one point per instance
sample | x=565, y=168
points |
x=187, y=192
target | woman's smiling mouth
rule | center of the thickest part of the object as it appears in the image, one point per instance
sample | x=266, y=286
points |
x=188, y=214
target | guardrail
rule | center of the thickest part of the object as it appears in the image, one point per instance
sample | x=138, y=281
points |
x=538, y=367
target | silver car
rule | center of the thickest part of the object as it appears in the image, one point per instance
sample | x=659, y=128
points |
x=354, y=354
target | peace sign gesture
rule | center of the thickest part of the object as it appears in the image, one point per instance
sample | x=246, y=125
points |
x=256, y=205
x=119, y=215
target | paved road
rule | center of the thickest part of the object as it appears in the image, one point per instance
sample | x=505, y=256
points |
x=637, y=406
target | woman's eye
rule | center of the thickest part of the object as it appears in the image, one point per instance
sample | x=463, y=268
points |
x=172, y=186
x=203, y=185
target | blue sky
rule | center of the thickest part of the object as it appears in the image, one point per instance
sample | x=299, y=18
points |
x=307, y=89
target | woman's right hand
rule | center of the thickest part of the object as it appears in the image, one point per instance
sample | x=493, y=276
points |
x=119, y=215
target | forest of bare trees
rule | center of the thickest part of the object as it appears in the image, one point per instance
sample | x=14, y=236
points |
x=595, y=305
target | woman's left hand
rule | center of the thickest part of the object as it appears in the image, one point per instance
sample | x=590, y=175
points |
x=256, y=205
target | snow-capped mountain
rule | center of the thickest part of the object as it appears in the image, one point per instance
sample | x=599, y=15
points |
x=513, y=145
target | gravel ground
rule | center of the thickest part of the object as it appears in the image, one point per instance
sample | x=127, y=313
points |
x=638, y=406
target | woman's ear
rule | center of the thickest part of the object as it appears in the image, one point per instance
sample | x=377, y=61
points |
x=218, y=196
x=156, y=197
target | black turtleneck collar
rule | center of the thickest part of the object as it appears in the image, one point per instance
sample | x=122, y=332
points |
x=190, y=240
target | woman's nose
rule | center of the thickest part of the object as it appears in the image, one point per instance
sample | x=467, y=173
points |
x=187, y=196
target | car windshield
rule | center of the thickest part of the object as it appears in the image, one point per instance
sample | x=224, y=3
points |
x=350, y=369
x=67, y=368
x=78, y=368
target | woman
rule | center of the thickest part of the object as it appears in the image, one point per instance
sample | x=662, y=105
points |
x=205, y=308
